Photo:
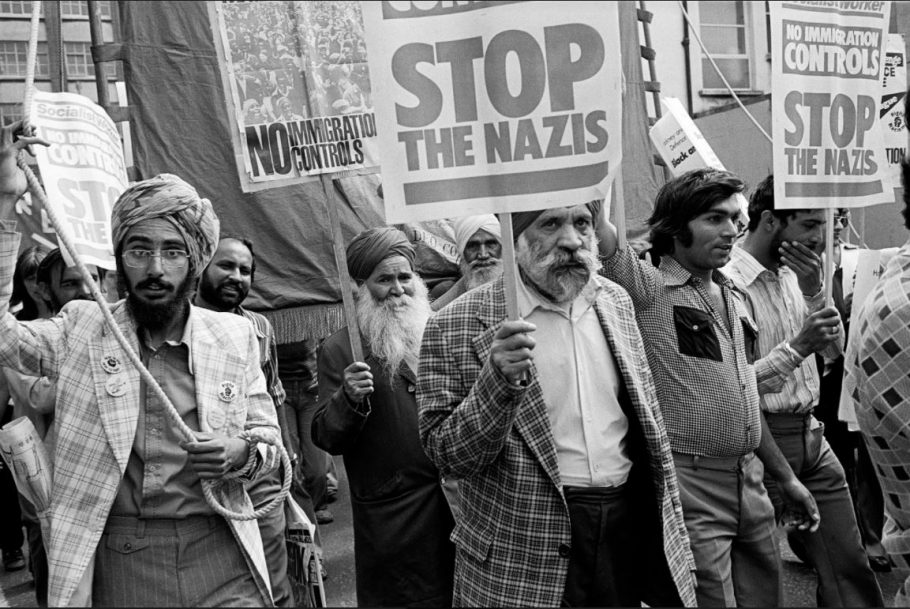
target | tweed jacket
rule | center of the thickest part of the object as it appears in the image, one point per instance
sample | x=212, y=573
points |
x=495, y=437
x=95, y=429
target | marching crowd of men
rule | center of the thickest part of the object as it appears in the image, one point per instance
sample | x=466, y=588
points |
x=636, y=436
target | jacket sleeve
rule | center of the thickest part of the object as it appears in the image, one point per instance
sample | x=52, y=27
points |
x=32, y=348
x=261, y=417
x=338, y=421
x=462, y=430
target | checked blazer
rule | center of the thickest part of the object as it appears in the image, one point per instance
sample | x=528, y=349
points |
x=512, y=540
x=95, y=429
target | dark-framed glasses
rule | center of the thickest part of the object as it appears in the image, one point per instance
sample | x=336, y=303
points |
x=139, y=259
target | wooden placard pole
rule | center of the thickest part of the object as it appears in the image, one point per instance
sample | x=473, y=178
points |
x=619, y=204
x=509, y=268
x=829, y=256
x=341, y=262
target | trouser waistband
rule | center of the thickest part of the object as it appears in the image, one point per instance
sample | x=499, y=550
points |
x=162, y=526
x=596, y=494
x=732, y=463
x=783, y=422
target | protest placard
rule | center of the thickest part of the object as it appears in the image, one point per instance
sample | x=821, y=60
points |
x=494, y=106
x=82, y=170
x=827, y=61
x=297, y=89
x=681, y=145
x=894, y=89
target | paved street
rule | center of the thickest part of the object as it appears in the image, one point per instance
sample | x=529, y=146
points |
x=338, y=542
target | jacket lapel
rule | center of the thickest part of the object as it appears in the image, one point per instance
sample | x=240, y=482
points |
x=117, y=392
x=217, y=375
x=531, y=422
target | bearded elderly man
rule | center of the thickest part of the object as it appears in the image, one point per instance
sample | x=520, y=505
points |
x=367, y=412
x=479, y=243
x=567, y=488
x=127, y=500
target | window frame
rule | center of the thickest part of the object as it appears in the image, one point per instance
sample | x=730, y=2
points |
x=697, y=56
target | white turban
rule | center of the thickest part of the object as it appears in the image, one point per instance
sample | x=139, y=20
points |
x=466, y=226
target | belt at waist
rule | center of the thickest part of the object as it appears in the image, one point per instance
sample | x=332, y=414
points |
x=162, y=526
x=595, y=494
x=724, y=464
x=783, y=422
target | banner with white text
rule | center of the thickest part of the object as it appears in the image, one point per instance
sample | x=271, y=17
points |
x=494, y=106
x=297, y=88
x=82, y=170
x=827, y=61
x=894, y=90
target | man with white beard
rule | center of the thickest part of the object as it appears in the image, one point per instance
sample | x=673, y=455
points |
x=567, y=489
x=479, y=243
x=368, y=414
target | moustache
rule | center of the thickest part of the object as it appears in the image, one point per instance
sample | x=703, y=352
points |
x=154, y=284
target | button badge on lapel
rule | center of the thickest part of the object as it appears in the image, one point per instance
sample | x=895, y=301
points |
x=111, y=365
x=227, y=391
x=116, y=386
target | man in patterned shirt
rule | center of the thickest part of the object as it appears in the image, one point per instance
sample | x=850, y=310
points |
x=878, y=359
x=224, y=285
x=777, y=269
x=698, y=339
x=566, y=481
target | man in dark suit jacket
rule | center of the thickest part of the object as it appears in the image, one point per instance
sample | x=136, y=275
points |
x=567, y=488
x=367, y=413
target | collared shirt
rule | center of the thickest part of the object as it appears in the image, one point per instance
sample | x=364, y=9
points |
x=877, y=365
x=787, y=382
x=704, y=378
x=159, y=481
x=581, y=385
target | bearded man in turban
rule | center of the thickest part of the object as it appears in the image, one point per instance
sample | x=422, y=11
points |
x=567, y=489
x=368, y=414
x=129, y=525
x=479, y=243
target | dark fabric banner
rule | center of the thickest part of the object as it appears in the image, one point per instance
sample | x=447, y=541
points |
x=179, y=124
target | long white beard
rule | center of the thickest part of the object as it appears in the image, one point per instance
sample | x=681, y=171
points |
x=551, y=272
x=476, y=276
x=393, y=328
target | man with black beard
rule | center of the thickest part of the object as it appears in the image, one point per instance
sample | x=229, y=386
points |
x=224, y=285
x=368, y=414
x=129, y=524
x=566, y=483
x=479, y=243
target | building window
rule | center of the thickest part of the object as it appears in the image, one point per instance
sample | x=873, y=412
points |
x=79, y=8
x=10, y=113
x=23, y=7
x=78, y=59
x=14, y=56
x=723, y=30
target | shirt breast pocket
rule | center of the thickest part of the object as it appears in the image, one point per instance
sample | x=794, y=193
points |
x=750, y=338
x=696, y=334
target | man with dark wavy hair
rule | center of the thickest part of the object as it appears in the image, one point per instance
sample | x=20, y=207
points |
x=699, y=338
x=878, y=358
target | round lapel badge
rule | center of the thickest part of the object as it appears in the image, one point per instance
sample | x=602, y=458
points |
x=227, y=391
x=216, y=418
x=115, y=386
x=111, y=364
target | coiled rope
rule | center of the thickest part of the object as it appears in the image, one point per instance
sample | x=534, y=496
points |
x=208, y=486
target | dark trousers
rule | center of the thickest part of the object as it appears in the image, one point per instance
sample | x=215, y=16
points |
x=309, y=488
x=11, y=536
x=603, y=570
x=835, y=550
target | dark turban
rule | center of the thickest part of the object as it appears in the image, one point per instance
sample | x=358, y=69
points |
x=523, y=219
x=374, y=245
x=167, y=196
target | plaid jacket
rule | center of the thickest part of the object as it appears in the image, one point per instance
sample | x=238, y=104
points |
x=95, y=430
x=496, y=438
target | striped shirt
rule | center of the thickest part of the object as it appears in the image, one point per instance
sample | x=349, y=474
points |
x=268, y=353
x=787, y=382
x=705, y=380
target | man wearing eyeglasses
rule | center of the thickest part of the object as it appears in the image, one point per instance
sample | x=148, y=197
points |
x=129, y=525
